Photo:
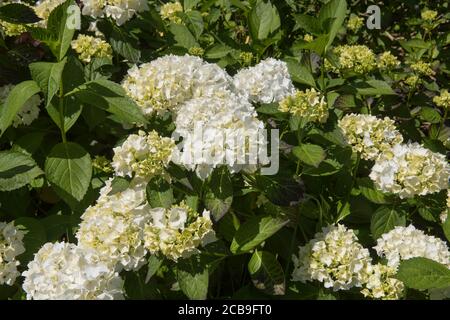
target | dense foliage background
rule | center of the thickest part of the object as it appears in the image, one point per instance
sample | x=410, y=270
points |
x=260, y=221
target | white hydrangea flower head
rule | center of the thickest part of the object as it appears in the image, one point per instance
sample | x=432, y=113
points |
x=28, y=113
x=11, y=245
x=64, y=271
x=119, y=10
x=177, y=232
x=268, y=81
x=409, y=170
x=335, y=258
x=168, y=11
x=219, y=131
x=369, y=135
x=114, y=226
x=162, y=84
x=143, y=155
x=402, y=243
x=88, y=47
x=382, y=285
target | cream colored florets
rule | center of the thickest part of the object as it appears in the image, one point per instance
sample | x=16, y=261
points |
x=443, y=99
x=422, y=68
x=11, y=245
x=28, y=113
x=64, y=271
x=335, y=258
x=309, y=104
x=219, y=131
x=369, y=135
x=404, y=243
x=381, y=284
x=357, y=59
x=268, y=81
x=387, y=61
x=355, y=23
x=409, y=170
x=169, y=11
x=164, y=83
x=43, y=8
x=119, y=10
x=143, y=155
x=89, y=47
x=177, y=232
x=428, y=15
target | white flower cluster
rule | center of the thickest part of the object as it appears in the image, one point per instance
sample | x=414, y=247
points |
x=43, y=8
x=29, y=111
x=11, y=246
x=64, y=271
x=143, y=155
x=114, y=226
x=410, y=169
x=164, y=83
x=178, y=231
x=335, y=258
x=402, y=243
x=369, y=135
x=218, y=130
x=268, y=81
x=119, y=10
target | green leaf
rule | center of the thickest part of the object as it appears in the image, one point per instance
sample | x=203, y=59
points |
x=59, y=26
x=422, y=274
x=430, y=115
x=189, y=4
x=300, y=73
x=254, y=231
x=193, y=278
x=71, y=110
x=118, y=184
x=263, y=20
x=446, y=227
x=195, y=23
x=267, y=273
x=159, y=193
x=34, y=238
x=57, y=226
x=373, y=88
x=68, y=167
x=368, y=190
x=308, y=23
x=183, y=36
x=18, y=13
x=280, y=190
x=16, y=170
x=310, y=154
x=124, y=44
x=384, y=220
x=220, y=194
x=218, y=51
x=154, y=262
x=48, y=76
x=110, y=96
x=18, y=96
x=318, y=45
x=335, y=11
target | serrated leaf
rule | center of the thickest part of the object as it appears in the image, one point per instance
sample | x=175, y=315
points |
x=159, y=193
x=373, y=88
x=335, y=11
x=18, y=96
x=218, y=51
x=308, y=23
x=183, y=36
x=110, y=96
x=195, y=22
x=422, y=274
x=68, y=167
x=266, y=273
x=371, y=193
x=18, y=13
x=384, y=220
x=34, y=238
x=154, y=262
x=254, y=231
x=48, y=76
x=193, y=278
x=300, y=73
x=16, y=170
x=310, y=154
x=263, y=20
